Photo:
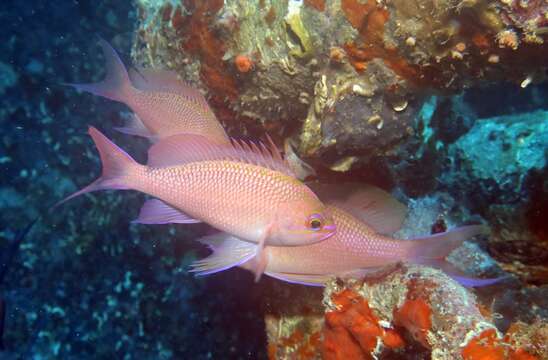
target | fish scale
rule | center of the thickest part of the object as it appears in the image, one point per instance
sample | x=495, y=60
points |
x=165, y=115
x=357, y=245
x=177, y=184
x=238, y=210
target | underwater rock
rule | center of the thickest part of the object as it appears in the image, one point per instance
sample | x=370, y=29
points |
x=526, y=305
x=498, y=170
x=400, y=311
x=498, y=154
x=293, y=320
x=413, y=306
x=358, y=119
x=424, y=302
x=345, y=78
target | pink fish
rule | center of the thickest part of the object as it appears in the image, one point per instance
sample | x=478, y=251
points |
x=163, y=105
x=250, y=197
x=356, y=249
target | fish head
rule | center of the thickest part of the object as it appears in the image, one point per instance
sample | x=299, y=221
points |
x=301, y=223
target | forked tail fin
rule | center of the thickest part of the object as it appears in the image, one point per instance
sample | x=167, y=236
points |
x=432, y=251
x=117, y=167
x=116, y=85
x=438, y=246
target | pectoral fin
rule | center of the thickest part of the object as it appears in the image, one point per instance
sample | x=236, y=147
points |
x=260, y=257
x=155, y=211
x=228, y=252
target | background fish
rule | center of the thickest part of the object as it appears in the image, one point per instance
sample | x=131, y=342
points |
x=253, y=202
x=163, y=104
x=356, y=249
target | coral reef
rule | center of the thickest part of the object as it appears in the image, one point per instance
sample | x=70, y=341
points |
x=434, y=311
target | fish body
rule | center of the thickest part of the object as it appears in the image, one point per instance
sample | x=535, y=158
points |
x=354, y=250
x=356, y=245
x=163, y=105
x=252, y=202
x=225, y=195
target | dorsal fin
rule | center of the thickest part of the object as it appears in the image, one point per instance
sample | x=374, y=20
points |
x=302, y=170
x=372, y=205
x=187, y=148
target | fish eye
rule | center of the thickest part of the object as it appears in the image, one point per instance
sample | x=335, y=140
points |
x=315, y=222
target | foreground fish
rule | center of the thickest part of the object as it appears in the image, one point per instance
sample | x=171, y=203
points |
x=356, y=249
x=248, y=196
x=163, y=105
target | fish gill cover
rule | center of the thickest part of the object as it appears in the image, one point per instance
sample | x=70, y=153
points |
x=444, y=104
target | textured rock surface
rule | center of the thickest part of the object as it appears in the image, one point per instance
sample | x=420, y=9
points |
x=408, y=310
x=498, y=169
x=293, y=320
x=498, y=154
x=309, y=66
x=435, y=311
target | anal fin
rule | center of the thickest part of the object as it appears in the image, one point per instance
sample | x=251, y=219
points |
x=302, y=279
x=458, y=275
